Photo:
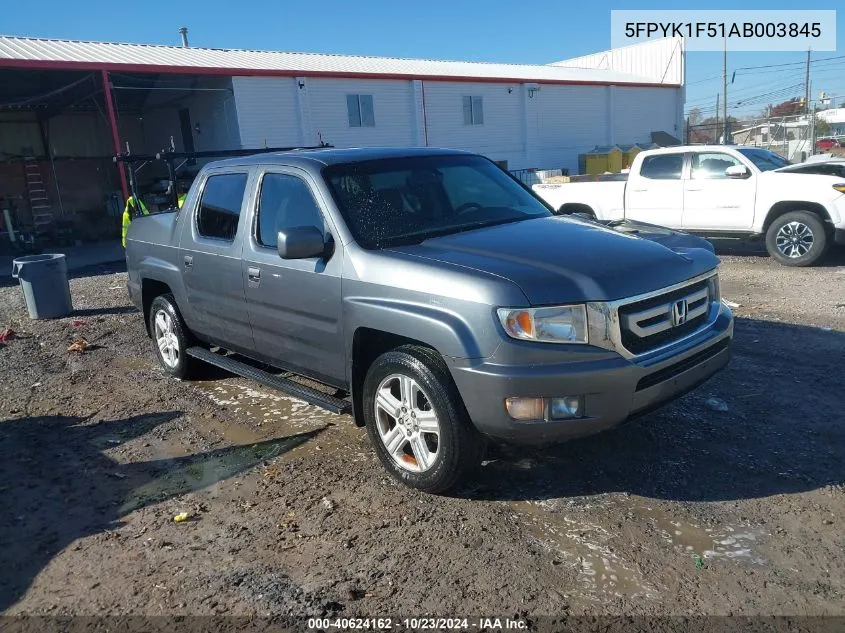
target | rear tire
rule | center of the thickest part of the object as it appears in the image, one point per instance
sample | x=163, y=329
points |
x=797, y=238
x=417, y=422
x=171, y=338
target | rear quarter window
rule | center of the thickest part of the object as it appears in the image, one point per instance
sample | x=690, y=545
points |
x=220, y=207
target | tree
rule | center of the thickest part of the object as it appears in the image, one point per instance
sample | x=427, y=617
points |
x=822, y=127
x=788, y=108
x=707, y=130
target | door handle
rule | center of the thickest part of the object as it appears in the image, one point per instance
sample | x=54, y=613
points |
x=189, y=261
x=640, y=190
x=695, y=188
x=254, y=274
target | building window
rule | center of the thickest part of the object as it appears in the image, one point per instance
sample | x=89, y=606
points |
x=473, y=111
x=360, y=110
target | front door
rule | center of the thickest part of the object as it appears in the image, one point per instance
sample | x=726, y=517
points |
x=210, y=257
x=656, y=194
x=714, y=201
x=294, y=304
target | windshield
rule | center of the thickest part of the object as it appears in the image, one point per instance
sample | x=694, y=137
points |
x=763, y=159
x=407, y=200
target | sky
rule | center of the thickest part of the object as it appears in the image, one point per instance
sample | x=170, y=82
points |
x=476, y=30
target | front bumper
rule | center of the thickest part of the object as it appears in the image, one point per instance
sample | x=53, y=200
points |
x=614, y=388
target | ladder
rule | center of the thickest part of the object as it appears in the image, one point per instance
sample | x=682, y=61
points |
x=39, y=203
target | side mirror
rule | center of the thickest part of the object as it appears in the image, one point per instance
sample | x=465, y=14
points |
x=737, y=171
x=300, y=242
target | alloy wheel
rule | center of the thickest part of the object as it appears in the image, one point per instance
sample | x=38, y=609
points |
x=166, y=339
x=794, y=239
x=407, y=423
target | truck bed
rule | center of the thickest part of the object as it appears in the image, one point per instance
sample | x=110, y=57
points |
x=602, y=195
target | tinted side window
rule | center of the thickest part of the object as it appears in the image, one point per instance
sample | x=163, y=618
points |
x=220, y=207
x=285, y=202
x=833, y=170
x=663, y=167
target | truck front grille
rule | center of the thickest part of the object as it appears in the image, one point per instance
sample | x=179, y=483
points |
x=662, y=319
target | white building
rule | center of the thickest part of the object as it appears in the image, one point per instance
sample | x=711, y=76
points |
x=525, y=116
x=836, y=118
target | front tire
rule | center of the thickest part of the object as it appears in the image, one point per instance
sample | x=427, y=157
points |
x=171, y=338
x=797, y=238
x=417, y=422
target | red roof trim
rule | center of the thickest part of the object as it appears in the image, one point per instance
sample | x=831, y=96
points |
x=35, y=64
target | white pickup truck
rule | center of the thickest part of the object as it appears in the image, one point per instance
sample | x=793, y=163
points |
x=718, y=191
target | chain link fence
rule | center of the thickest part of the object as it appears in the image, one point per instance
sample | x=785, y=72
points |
x=792, y=137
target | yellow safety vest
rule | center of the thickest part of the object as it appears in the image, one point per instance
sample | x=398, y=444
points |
x=127, y=215
x=181, y=200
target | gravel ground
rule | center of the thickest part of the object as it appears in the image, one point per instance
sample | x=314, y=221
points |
x=690, y=510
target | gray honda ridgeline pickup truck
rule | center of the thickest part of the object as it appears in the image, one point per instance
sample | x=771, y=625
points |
x=431, y=295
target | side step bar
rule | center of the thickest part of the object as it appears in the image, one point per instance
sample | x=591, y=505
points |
x=290, y=387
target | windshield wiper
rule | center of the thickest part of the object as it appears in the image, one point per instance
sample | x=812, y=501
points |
x=417, y=237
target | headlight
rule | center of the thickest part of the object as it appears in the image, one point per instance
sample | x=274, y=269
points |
x=559, y=324
x=714, y=289
x=840, y=188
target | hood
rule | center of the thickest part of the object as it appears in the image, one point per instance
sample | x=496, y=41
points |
x=784, y=174
x=567, y=260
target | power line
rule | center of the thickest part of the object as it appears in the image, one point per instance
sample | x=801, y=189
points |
x=788, y=67
x=801, y=63
x=743, y=93
x=836, y=64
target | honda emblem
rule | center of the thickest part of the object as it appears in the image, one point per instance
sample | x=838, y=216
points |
x=679, y=313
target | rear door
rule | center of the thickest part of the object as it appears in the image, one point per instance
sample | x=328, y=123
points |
x=656, y=193
x=211, y=262
x=714, y=201
x=294, y=304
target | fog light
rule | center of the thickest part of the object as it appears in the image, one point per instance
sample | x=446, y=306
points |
x=568, y=407
x=526, y=408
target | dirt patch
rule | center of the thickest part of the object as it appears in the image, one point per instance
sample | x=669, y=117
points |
x=688, y=510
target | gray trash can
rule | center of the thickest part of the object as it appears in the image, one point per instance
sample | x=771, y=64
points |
x=43, y=279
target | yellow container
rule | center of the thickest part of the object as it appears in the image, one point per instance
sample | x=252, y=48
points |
x=603, y=159
x=629, y=153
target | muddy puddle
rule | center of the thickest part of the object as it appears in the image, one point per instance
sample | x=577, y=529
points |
x=264, y=426
x=733, y=542
x=184, y=473
x=262, y=407
x=590, y=548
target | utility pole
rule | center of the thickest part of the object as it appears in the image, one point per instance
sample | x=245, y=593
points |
x=717, y=118
x=725, y=90
x=807, y=85
x=813, y=133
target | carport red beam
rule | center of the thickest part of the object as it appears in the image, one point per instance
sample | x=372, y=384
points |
x=114, y=132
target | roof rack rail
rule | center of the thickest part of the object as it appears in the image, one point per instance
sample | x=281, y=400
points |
x=170, y=157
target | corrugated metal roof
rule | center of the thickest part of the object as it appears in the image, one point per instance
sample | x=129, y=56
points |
x=660, y=61
x=47, y=53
